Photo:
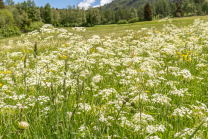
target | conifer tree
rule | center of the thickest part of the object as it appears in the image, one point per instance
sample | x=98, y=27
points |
x=147, y=12
x=1, y=4
x=48, y=14
x=179, y=11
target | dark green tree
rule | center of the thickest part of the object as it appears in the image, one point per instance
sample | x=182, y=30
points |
x=179, y=11
x=127, y=14
x=173, y=9
x=17, y=18
x=48, y=14
x=19, y=7
x=25, y=6
x=140, y=11
x=89, y=17
x=147, y=12
x=119, y=15
x=107, y=15
x=198, y=9
x=205, y=6
x=41, y=11
x=2, y=4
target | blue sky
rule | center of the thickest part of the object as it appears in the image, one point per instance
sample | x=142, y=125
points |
x=64, y=3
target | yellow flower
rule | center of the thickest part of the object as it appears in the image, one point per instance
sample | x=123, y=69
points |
x=23, y=125
x=170, y=116
x=0, y=84
x=9, y=72
x=147, y=91
x=7, y=91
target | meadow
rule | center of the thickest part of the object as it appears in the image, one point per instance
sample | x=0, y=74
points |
x=147, y=80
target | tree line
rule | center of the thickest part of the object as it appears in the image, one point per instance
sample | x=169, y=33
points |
x=26, y=16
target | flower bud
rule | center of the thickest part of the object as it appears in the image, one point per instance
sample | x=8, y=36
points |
x=132, y=110
x=124, y=102
x=127, y=99
x=132, y=103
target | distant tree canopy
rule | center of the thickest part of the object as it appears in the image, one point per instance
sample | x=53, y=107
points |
x=27, y=16
x=147, y=12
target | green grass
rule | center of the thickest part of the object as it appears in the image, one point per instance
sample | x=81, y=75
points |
x=138, y=86
x=104, y=30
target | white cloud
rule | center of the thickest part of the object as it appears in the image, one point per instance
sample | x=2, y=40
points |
x=96, y=6
x=103, y=2
x=86, y=4
x=89, y=1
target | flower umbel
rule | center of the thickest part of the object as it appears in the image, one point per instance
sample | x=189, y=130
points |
x=23, y=125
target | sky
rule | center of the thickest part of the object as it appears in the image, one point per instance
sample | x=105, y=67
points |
x=60, y=4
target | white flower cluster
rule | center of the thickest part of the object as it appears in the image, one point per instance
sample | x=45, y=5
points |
x=159, y=98
x=186, y=132
x=106, y=93
x=79, y=29
x=145, y=118
x=97, y=78
x=153, y=137
x=84, y=107
x=151, y=129
x=165, y=19
x=180, y=92
x=183, y=111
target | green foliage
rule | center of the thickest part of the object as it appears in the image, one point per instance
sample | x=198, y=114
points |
x=6, y=18
x=56, y=23
x=140, y=11
x=133, y=13
x=17, y=18
x=173, y=9
x=48, y=14
x=33, y=26
x=140, y=19
x=133, y=20
x=107, y=15
x=10, y=31
x=119, y=15
x=205, y=6
x=122, y=22
x=25, y=20
x=147, y=12
x=198, y=9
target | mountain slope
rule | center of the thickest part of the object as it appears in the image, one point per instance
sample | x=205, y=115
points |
x=116, y=4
